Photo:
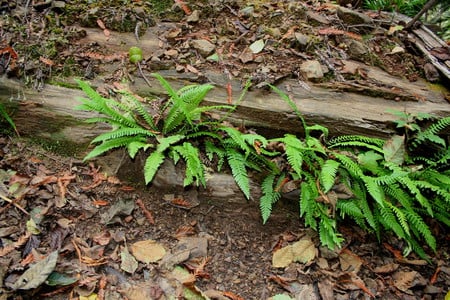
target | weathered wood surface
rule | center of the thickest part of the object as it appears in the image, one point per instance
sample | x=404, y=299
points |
x=51, y=112
x=426, y=41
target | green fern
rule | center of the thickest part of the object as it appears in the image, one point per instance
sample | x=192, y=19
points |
x=195, y=170
x=357, y=141
x=328, y=174
x=152, y=164
x=237, y=162
x=270, y=195
x=4, y=115
x=328, y=234
x=431, y=133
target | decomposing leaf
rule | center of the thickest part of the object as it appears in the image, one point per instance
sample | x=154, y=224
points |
x=213, y=57
x=183, y=275
x=129, y=263
x=304, y=251
x=281, y=297
x=282, y=257
x=92, y=296
x=257, y=46
x=394, y=149
x=58, y=279
x=404, y=280
x=385, y=269
x=147, y=251
x=36, y=274
x=32, y=227
x=350, y=261
x=121, y=207
x=394, y=29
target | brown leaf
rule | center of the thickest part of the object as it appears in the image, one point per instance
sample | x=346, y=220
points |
x=404, y=280
x=388, y=268
x=350, y=261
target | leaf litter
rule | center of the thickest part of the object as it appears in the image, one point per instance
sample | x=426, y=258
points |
x=214, y=250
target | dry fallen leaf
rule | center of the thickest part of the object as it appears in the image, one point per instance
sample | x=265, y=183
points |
x=282, y=257
x=350, y=261
x=404, y=280
x=304, y=251
x=147, y=251
x=129, y=263
x=388, y=268
x=36, y=274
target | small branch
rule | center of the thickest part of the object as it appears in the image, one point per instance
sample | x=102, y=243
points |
x=142, y=74
x=425, y=8
x=13, y=203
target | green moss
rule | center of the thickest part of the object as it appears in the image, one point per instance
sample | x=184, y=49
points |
x=58, y=145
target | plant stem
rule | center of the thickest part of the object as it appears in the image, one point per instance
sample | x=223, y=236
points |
x=142, y=74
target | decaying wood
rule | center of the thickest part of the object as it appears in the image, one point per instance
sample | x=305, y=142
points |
x=425, y=40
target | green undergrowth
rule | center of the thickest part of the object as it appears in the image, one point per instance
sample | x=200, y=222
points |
x=383, y=185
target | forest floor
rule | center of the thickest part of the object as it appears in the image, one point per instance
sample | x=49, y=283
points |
x=99, y=237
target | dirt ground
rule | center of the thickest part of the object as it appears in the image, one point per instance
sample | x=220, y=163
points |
x=109, y=236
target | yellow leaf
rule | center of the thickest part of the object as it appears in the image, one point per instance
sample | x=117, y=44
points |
x=147, y=251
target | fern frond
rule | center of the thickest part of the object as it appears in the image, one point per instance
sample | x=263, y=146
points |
x=152, y=164
x=166, y=142
x=412, y=187
x=193, y=95
x=328, y=174
x=112, y=144
x=269, y=196
x=431, y=132
x=121, y=132
x=195, y=170
x=212, y=149
x=348, y=140
x=374, y=189
x=237, y=137
x=398, y=195
x=88, y=90
x=317, y=127
x=237, y=163
x=351, y=166
x=292, y=105
x=134, y=147
x=389, y=221
x=144, y=114
x=308, y=204
x=444, y=194
x=418, y=224
x=400, y=217
x=294, y=155
x=172, y=93
x=328, y=234
x=350, y=208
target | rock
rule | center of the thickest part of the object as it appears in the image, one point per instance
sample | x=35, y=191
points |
x=171, y=53
x=302, y=40
x=194, y=17
x=312, y=69
x=352, y=17
x=317, y=18
x=356, y=50
x=246, y=56
x=204, y=47
x=431, y=73
x=397, y=50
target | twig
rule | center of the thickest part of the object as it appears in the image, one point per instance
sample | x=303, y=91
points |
x=147, y=213
x=425, y=8
x=13, y=203
x=143, y=76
